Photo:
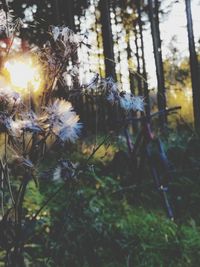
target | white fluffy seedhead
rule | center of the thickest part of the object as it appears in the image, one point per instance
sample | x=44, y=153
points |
x=28, y=122
x=114, y=94
x=6, y=21
x=62, y=120
x=130, y=102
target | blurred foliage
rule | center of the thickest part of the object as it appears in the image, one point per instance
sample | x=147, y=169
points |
x=178, y=81
x=103, y=219
x=100, y=222
x=39, y=15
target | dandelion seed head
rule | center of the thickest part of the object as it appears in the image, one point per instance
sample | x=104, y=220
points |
x=29, y=122
x=66, y=35
x=55, y=33
x=57, y=174
x=5, y=122
x=5, y=20
x=16, y=128
x=62, y=120
x=64, y=170
x=9, y=99
x=69, y=36
x=93, y=84
x=129, y=102
x=74, y=71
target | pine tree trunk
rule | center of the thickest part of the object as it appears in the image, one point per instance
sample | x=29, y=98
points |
x=68, y=9
x=107, y=38
x=145, y=84
x=154, y=20
x=194, y=68
x=129, y=56
x=55, y=7
x=139, y=81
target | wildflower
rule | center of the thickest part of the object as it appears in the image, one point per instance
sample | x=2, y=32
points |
x=55, y=33
x=65, y=170
x=5, y=122
x=138, y=103
x=129, y=102
x=69, y=36
x=19, y=160
x=74, y=71
x=57, y=173
x=111, y=90
x=93, y=84
x=62, y=120
x=126, y=100
x=112, y=97
x=113, y=94
x=9, y=99
x=28, y=123
x=108, y=85
x=67, y=79
x=5, y=21
x=66, y=35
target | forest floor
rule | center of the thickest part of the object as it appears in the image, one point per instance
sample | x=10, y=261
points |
x=103, y=219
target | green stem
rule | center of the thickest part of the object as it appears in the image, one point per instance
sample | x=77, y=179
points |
x=2, y=193
x=5, y=169
x=62, y=186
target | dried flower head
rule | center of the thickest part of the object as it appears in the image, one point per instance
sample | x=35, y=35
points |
x=5, y=122
x=64, y=171
x=66, y=35
x=93, y=84
x=21, y=161
x=60, y=119
x=130, y=102
x=6, y=21
x=29, y=122
x=9, y=99
x=114, y=95
x=66, y=42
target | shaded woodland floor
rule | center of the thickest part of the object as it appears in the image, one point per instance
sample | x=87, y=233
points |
x=105, y=220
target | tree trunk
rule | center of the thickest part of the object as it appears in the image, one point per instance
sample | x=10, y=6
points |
x=139, y=81
x=193, y=67
x=55, y=7
x=155, y=31
x=129, y=56
x=68, y=9
x=145, y=84
x=107, y=38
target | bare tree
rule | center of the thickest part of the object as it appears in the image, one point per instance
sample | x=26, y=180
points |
x=194, y=68
x=144, y=73
x=155, y=31
x=107, y=38
x=68, y=9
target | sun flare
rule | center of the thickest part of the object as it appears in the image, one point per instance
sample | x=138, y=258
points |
x=23, y=74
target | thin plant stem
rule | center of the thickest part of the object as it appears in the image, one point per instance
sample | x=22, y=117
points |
x=9, y=188
x=27, y=146
x=17, y=202
x=2, y=193
x=62, y=186
x=47, y=201
x=97, y=148
x=18, y=248
x=23, y=143
x=10, y=45
x=21, y=198
x=5, y=168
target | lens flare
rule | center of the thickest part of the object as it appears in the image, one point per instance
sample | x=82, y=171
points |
x=23, y=74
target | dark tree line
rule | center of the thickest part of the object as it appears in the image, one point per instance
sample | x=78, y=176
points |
x=64, y=12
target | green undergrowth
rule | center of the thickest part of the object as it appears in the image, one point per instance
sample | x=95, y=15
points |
x=93, y=224
x=102, y=219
